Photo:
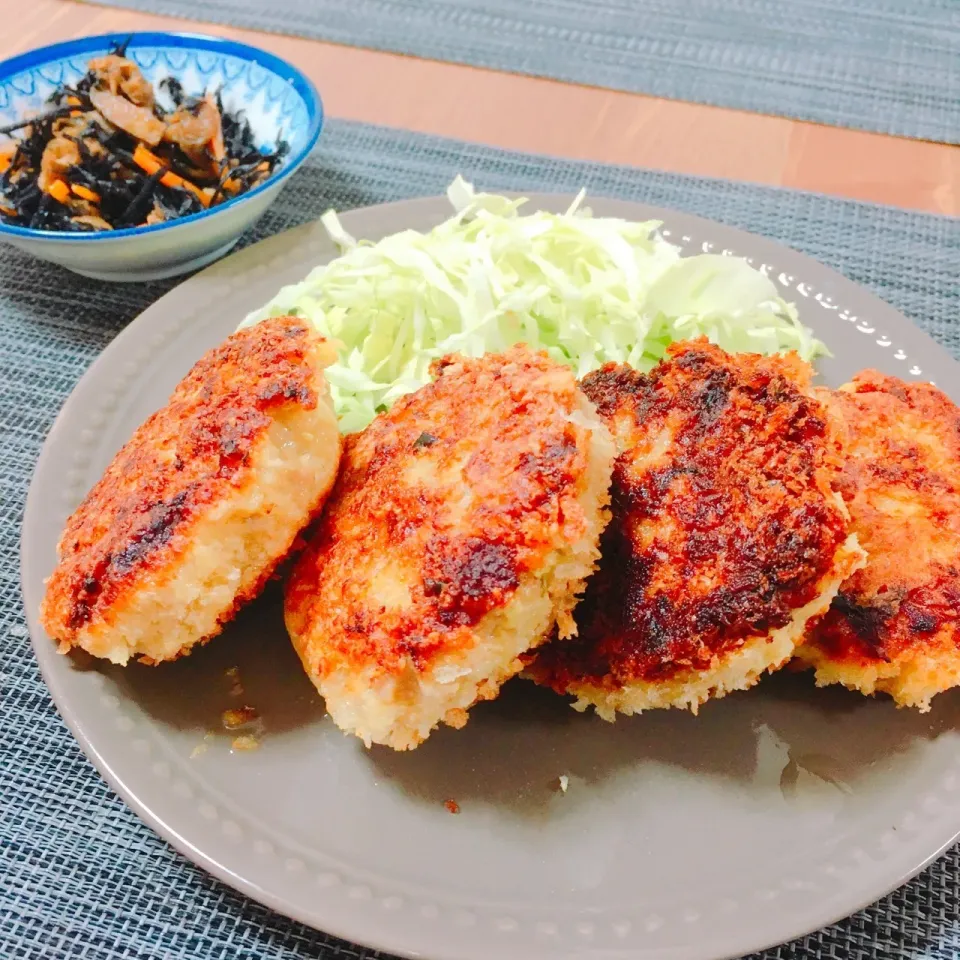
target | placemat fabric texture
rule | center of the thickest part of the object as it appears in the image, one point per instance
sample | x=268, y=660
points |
x=80, y=875
x=892, y=66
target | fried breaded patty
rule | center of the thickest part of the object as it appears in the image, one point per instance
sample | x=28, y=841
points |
x=726, y=537
x=194, y=513
x=894, y=625
x=460, y=532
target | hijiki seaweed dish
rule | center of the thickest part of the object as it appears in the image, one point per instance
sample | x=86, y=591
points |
x=107, y=155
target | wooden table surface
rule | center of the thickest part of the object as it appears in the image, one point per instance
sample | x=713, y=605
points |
x=567, y=120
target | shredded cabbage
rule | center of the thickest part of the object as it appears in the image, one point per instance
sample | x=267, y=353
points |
x=585, y=289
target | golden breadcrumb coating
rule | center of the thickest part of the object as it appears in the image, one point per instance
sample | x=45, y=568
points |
x=461, y=529
x=894, y=625
x=726, y=536
x=192, y=516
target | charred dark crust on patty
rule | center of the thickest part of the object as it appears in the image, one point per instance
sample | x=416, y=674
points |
x=179, y=463
x=464, y=485
x=724, y=520
x=901, y=481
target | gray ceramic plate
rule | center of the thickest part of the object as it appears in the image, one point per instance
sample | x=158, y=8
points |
x=771, y=814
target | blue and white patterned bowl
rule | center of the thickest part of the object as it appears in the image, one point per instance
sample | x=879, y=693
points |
x=276, y=97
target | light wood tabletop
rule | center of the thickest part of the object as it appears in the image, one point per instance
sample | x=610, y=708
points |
x=562, y=119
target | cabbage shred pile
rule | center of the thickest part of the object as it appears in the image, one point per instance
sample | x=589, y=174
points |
x=585, y=289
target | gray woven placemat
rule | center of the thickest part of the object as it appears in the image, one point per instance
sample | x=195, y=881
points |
x=892, y=66
x=80, y=875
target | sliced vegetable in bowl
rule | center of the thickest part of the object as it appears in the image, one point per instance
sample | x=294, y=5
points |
x=586, y=289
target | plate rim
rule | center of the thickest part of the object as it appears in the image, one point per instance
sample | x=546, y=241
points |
x=45, y=654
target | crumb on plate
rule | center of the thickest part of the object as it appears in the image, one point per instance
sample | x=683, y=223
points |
x=236, y=686
x=239, y=717
x=201, y=747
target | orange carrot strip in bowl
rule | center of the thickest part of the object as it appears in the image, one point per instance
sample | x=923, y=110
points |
x=7, y=153
x=85, y=193
x=201, y=195
x=150, y=163
x=59, y=191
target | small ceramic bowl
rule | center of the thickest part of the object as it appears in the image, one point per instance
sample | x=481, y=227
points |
x=277, y=99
